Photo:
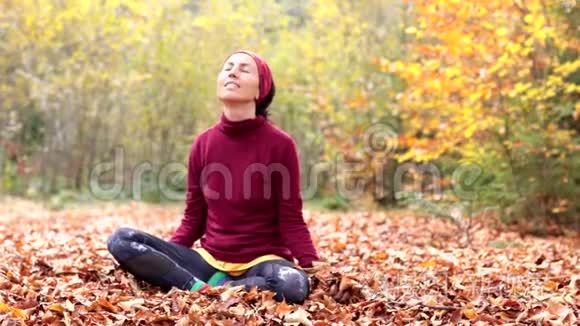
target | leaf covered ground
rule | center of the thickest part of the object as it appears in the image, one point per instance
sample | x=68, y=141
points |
x=55, y=269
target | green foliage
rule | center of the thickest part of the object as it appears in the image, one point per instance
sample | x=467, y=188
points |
x=331, y=203
x=503, y=244
x=335, y=203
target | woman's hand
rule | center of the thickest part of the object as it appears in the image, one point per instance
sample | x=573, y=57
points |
x=316, y=266
x=340, y=291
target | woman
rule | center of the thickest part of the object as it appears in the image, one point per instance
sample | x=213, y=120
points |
x=243, y=201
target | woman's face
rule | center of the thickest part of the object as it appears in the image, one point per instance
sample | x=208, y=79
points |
x=238, y=81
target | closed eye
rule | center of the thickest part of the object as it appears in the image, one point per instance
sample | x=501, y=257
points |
x=230, y=65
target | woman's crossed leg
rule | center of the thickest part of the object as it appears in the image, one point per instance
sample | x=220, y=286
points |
x=168, y=264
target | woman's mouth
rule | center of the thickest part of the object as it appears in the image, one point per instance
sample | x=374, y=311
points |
x=231, y=84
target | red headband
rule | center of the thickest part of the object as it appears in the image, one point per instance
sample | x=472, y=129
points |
x=264, y=73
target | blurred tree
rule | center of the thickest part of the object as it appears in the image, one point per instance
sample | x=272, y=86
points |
x=488, y=83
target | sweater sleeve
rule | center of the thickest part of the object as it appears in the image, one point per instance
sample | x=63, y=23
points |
x=193, y=223
x=293, y=229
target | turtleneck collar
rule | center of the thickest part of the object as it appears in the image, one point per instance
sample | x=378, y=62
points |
x=233, y=128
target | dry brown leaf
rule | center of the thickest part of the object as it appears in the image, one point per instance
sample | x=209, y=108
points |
x=345, y=283
x=558, y=309
x=238, y=310
x=183, y=321
x=103, y=302
x=299, y=316
x=409, y=270
x=283, y=309
x=128, y=305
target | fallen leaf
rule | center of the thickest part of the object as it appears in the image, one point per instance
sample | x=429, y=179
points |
x=418, y=277
x=238, y=310
x=14, y=312
x=557, y=308
x=429, y=263
x=128, y=305
x=300, y=316
x=69, y=306
x=183, y=321
x=469, y=313
x=283, y=309
x=56, y=307
x=103, y=302
x=551, y=286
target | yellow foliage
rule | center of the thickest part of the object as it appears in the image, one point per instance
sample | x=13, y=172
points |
x=467, y=61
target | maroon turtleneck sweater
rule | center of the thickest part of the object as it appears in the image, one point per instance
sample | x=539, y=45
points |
x=243, y=194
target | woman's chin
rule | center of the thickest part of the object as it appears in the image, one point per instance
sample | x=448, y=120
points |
x=233, y=98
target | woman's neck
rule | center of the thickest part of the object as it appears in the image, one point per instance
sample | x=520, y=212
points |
x=239, y=111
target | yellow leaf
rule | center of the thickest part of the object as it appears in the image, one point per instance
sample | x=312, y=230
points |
x=338, y=246
x=502, y=31
x=15, y=312
x=19, y=313
x=470, y=313
x=429, y=263
x=469, y=131
x=380, y=256
x=56, y=307
x=551, y=286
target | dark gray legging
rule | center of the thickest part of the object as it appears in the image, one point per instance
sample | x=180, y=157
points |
x=168, y=264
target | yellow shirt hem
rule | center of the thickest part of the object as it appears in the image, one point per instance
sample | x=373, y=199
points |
x=234, y=269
